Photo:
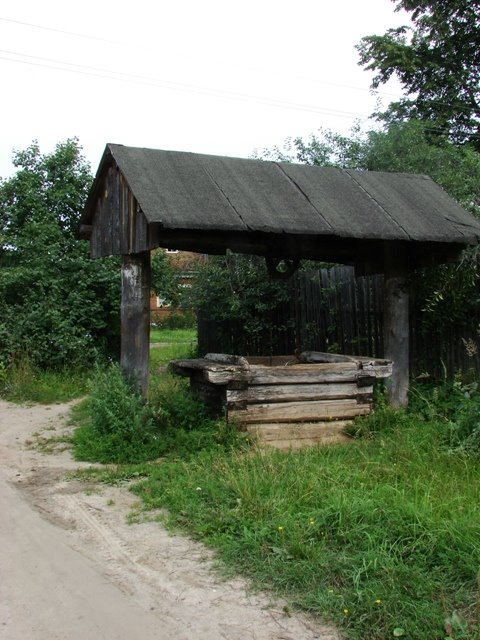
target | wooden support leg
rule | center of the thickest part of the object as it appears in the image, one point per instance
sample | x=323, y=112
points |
x=135, y=318
x=396, y=326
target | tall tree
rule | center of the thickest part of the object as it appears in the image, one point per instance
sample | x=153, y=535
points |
x=437, y=61
x=57, y=306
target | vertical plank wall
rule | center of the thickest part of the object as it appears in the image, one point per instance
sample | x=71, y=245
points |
x=342, y=314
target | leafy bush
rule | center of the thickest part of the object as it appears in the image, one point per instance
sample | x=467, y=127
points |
x=180, y=320
x=56, y=304
x=117, y=426
x=247, y=311
x=121, y=427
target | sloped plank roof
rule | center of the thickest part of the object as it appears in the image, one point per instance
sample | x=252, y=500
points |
x=222, y=197
x=196, y=191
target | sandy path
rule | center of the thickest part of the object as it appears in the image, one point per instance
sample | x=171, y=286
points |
x=71, y=568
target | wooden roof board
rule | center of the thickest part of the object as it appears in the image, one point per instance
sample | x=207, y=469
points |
x=188, y=194
x=264, y=197
x=418, y=204
x=173, y=190
x=186, y=190
x=350, y=211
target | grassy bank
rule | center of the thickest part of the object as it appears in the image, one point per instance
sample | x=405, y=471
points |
x=380, y=536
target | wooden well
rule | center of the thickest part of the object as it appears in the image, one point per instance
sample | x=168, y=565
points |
x=285, y=401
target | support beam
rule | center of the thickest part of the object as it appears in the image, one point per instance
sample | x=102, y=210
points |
x=396, y=324
x=135, y=318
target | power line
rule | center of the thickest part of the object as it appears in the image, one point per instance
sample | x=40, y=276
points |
x=158, y=82
x=62, y=31
x=121, y=76
x=131, y=45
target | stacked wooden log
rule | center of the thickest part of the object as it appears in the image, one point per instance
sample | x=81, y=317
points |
x=287, y=402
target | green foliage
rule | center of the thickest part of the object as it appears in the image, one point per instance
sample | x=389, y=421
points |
x=115, y=425
x=409, y=148
x=58, y=307
x=448, y=294
x=404, y=147
x=237, y=293
x=185, y=319
x=437, y=61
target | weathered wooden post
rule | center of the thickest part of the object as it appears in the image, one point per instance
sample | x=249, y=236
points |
x=396, y=323
x=135, y=318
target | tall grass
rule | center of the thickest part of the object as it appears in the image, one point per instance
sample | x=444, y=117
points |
x=23, y=382
x=380, y=536
x=174, y=344
x=179, y=335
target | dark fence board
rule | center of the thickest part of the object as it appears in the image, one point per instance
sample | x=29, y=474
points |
x=340, y=313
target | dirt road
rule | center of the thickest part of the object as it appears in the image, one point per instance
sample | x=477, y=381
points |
x=71, y=568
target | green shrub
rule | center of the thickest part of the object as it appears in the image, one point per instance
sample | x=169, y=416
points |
x=121, y=427
x=56, y=304
x=188, y=427
x=383, y=419
x=181, y=320
x=117, y=426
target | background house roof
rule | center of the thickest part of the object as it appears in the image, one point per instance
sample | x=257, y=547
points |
x=211, y=203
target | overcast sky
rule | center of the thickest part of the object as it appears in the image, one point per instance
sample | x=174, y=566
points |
x=210, y=76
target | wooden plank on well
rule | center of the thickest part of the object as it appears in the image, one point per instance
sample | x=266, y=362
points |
x=304, y=373
x=378, y=370
x=212, y=372
x=226, y=376
x=296, y=435
x=311, y=411
x=273, y=361
x=298, y=392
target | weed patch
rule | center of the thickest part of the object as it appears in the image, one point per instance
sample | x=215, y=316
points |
x=115, y=425
x=380, y=536
x=457, y=406
x=22, y=382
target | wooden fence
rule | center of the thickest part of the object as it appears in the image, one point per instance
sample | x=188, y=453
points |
x=331, y=310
